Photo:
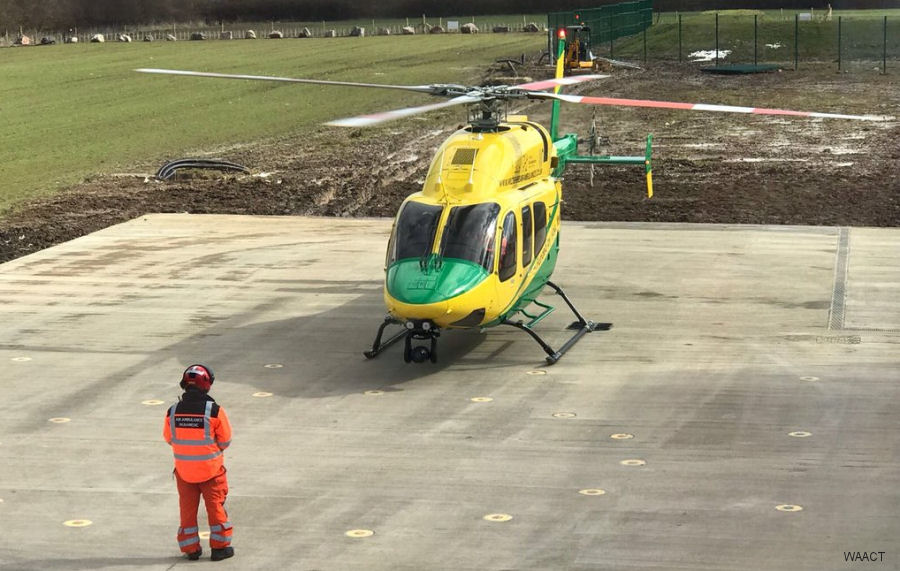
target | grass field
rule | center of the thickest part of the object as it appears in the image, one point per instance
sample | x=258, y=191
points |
x=73, y=110
x=70, y=111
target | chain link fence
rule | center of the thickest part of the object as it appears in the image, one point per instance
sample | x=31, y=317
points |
x=606, y=23
x=866, y=41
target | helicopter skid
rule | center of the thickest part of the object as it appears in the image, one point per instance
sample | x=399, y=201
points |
x=378, y=346
x=553, y=355
x=576, y=325
x=581, y=327
x=411, y=353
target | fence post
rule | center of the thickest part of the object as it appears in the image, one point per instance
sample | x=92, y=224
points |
x=884, y=52
x=551, y=32
x=679, y=38
x=796, y=40
x=755, y=39
x=717, y=39
x=610, y=38
x=839, y=42
x=645, y=46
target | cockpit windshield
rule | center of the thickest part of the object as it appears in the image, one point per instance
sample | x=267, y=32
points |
x=414, y=232
x=469, y=234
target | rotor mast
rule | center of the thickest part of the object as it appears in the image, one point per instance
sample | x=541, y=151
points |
x=485, y=115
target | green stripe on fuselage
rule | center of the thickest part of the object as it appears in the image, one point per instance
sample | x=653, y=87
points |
x=535, y=286
x=409, y=282
x=539, y=280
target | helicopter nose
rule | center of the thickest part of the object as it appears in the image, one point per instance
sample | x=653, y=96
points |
x=408, y=283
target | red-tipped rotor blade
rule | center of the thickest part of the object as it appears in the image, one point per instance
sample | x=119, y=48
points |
x=699, y=107
x=549, y=83
x=418, y=88
x=376, y=118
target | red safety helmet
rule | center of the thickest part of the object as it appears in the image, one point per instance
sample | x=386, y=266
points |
x=200, y=376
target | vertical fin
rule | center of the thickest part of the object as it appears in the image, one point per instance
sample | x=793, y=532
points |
x=560, y=69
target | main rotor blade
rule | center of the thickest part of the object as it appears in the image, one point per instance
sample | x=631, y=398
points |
x=548, y=83
x=376, y=118
x=419, y=88
x=698, y=106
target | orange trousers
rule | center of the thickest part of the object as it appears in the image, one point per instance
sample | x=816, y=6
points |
x=214, y=492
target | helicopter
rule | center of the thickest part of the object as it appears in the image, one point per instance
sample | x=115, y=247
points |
x=478, y=244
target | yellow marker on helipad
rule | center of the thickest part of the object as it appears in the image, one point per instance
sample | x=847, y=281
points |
x=77, y=523
x=359, y=533
x=499, y=518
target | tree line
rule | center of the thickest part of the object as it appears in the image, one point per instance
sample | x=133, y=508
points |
x=65, y=14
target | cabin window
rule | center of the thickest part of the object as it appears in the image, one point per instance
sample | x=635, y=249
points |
x=526, y=236
x=540, y=225
x=508, y=247
x=470, y=232
x=414, y=232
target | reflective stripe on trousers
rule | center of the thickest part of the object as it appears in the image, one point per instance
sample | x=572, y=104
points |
x=188, y=539
x=214, y=492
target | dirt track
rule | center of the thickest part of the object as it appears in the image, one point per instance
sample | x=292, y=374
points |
x=709, y=167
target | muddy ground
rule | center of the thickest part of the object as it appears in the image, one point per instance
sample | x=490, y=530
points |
x=708, y=167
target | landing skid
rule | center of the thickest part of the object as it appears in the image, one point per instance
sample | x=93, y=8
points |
x=411, y=353
x=420, y=331
x=581, y=327
x=378, y=346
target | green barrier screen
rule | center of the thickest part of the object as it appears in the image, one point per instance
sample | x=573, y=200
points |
x=607, y=23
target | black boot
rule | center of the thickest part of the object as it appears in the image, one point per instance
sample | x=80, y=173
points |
x=220, y=554
x=195, y=555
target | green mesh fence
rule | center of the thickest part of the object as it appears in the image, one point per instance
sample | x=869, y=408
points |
x=848, y=40
x=607, y=23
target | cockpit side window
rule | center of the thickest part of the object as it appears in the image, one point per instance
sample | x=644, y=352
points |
x=469, y=234
x=414, y=232
x=540, y=225
x=526, y=235
x=508, y=248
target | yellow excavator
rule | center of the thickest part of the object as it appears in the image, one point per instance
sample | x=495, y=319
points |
x=578, y=58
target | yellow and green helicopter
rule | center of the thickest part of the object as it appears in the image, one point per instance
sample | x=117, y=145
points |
x=478, y=244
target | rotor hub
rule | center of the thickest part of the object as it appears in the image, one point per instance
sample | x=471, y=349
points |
x=486, y=114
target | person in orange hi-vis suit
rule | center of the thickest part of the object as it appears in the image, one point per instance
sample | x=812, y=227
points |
x=199, y=432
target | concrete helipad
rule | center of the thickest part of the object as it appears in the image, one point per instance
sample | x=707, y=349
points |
x=742, y=413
